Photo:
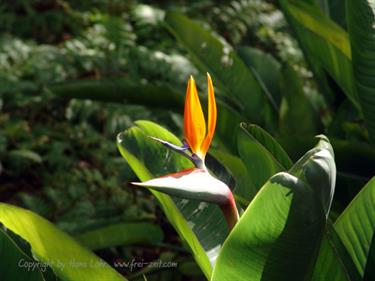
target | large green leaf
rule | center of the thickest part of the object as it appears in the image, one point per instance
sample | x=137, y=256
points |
x=325, y=44
x=67, y=258
x=123, y=234
x=120, y=90
x=318, y=168
x=346, y=251
x=15, y=264
x=297, y=116
x=361, y=24
x=333, y=263
x=261, y=154
x=310, y=17
x=244, y=189
x=260, y=158
x=370, y=266
x=357, y=159
x=278, y=236
x=335, y=9
x=200, y=225
x=355, y=166
x=269, y=143
x=227, y=69
x=328, y=265
x=356, y=226
x=266, y=67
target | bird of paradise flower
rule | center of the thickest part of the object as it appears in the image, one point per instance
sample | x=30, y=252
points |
x=196, y=183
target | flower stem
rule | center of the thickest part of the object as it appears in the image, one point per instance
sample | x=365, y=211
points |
x=230, y=212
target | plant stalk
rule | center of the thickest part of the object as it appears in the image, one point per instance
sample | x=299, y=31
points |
x=230, y=212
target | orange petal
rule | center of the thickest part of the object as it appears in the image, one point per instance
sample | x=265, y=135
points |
x=194, y=123
x=212, y=115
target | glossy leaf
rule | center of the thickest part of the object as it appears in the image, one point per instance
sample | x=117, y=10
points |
x=335, y=9
x=370, y=265
x=261, y=154
x=15, y=264
x=329, y=265
x=244, y=188
x=318, y=168
x=228, y=71
x=352, y=158
x=297, y=116
x=266, y=67
x=278, y=236
x=356, y=226
x=325, y=44
x=67, y=258
x=123, y=234
x=346, y=252
x=200, y=225
x=361, y=24
x=269, y=143
x=119, y=90
x=355, y=166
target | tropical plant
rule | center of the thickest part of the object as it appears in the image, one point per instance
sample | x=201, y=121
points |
x=284, y=232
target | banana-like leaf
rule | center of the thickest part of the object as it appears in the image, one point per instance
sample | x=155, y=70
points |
x=123, y=234
x=346, y=252
x=261, y=157
x=119, y=90
x=356, y=226
x=318, y=168
x=355, y=166
x=335, y=9
x=278, y=236
x=227, y=69
x=297, y=116
x=15, y=264
x=261, y=154
x=370, y=266
x=199, y=224
x=325, y=44
x=244, y=189
x=329, y=264
x=352, y=158
x=269, y=143
x=266, y=67
x=361, y=24
x=68, y=259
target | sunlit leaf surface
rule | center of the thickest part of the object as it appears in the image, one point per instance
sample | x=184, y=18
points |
x=68, y=259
